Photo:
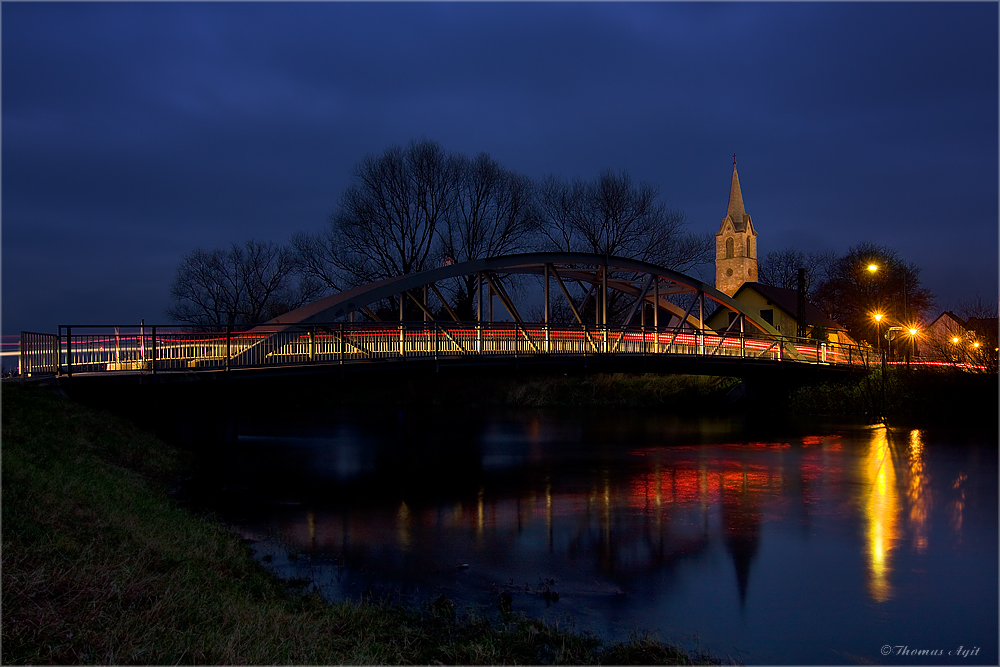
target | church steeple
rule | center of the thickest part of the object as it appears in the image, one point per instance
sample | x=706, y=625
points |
x=736, y=211
x=735, y=243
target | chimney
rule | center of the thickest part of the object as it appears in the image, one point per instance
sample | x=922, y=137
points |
x=801, y=315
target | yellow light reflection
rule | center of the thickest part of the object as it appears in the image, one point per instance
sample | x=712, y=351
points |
x=403, y=526
x=881, y=507
x=548, y=505
x=958, y=506
x=479, y=513
x=917, y=492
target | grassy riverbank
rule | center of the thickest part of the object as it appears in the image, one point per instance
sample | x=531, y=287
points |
x=100, y=565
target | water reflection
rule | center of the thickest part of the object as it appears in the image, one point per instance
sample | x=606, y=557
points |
x=882, y=499
x=637, y=526
x=652, y=510
x=958, y=505
x=403, y=526
x=881, y=508
x=917, y=492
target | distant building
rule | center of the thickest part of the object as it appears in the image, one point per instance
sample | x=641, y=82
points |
x=779, y=307
x=736, y=275
x=953, y=339
x=735, y=244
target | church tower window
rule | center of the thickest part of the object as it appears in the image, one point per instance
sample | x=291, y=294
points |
x=729, y=248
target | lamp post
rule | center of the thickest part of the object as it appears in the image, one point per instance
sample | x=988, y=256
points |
x=872, y=269
x=878, y=329
x=878, y=338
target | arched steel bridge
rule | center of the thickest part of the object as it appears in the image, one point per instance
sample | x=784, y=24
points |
x=622, y=309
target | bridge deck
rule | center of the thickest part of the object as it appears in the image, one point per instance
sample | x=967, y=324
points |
x=158, y=350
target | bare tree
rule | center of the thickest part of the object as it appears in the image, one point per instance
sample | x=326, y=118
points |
x=387, y=222
x=493, y=214
x=614, y=216
x=315, y=256
x=409, y=209
x=780, y=268
x=241, y=286
x=559, y=207
x=981, y=347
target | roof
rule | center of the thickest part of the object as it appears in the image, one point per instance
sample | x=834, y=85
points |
x=788, y=301
x=949, y=315
x=736, y=212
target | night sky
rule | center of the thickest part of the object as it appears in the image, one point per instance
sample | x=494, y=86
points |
x=135, y=133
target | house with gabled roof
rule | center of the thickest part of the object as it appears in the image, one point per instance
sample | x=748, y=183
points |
x=954, y=339
x=778, y=307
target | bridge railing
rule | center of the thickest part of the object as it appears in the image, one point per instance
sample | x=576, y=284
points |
x=38, y=354
x=175, y=349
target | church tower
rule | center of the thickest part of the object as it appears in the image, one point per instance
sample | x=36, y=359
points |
x=735, y=244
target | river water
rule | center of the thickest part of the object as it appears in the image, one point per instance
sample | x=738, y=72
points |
x=829, y=544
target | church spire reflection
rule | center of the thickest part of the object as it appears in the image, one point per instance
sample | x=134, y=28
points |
x=741, y=522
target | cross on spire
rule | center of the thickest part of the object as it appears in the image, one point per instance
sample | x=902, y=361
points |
x=734, y=159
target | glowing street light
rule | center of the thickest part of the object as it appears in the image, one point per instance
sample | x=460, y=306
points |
x=913, y=331
x=873, y=267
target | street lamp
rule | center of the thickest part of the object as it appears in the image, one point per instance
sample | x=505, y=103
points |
x=878, y=337
x=878, y=330
x=913, y=331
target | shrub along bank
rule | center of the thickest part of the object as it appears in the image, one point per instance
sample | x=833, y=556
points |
x=918, y=396
x=100, y=565
x=680, y=393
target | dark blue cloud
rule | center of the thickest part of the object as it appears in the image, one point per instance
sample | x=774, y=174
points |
x=135, y=132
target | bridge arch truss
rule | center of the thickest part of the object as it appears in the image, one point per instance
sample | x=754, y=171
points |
x=619, y=308
x=601, y=276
